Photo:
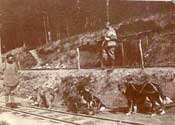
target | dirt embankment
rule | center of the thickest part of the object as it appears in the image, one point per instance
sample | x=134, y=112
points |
x=102, y=83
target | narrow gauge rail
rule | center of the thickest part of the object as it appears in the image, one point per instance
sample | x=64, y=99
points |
x=65, y=117
x=99, y=68
x=38, y=115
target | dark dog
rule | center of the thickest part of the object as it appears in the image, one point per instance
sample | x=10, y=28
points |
x=137, y=94
x=91, y=100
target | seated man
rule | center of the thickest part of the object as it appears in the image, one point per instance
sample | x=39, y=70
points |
x=109, y=45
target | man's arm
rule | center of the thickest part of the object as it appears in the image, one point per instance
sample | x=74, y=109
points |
x=18, y=63
x=2, y=71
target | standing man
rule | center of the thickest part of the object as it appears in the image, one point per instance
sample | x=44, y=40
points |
x=10, y=80
x=109, y=44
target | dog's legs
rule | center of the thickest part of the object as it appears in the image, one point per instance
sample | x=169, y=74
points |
x=156, y=99
x=49, y=100
x=96, y=105
x=162, y=112
x=162, y=107
x=130, y=103
x=153, y=109
x=135, y=108
x=153, y=106
x=88, y=104
x=91, y=104
x=49, y=104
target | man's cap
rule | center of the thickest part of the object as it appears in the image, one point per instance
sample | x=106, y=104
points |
x=107, y=24
x=9, y=55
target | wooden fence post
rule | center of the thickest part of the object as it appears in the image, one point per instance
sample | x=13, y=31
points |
x=107, y=10
x=123, y=54
x=147, y=41
x=78, y=58
x=18, y=62
x=45, y=29
x=0, y=50
x=141, y=53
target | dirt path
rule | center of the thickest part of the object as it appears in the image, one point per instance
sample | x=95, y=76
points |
x=18, y=119
x=21, y=119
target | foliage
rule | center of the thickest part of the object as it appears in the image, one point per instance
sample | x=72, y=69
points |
x=23, y=21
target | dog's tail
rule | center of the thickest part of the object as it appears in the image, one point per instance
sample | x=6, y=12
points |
x=103, y=107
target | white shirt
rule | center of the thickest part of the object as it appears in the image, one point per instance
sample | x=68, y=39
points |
x=10, y=74
x=110, y=34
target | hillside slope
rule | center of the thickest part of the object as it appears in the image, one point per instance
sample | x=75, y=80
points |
x=158, y=46
x=158, y=50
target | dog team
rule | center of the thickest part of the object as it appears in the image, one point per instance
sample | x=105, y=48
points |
x=137, y=95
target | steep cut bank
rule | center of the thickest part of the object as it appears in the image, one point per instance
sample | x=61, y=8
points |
x=103, y=83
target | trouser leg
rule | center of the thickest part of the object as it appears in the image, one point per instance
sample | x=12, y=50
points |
x=6, y=94
x=111, y=55
x=6, y=99
x=12, y=98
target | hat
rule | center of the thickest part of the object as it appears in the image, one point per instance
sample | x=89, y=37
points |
x=107, y=24
x=9, y=55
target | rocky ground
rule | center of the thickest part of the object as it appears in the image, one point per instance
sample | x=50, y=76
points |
x=102, y=83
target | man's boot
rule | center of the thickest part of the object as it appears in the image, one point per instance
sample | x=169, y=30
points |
x=13, y=103
x=6, y=100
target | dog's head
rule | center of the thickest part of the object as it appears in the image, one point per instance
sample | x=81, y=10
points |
x=122, y=87
x=126, y=81
x=83, y=91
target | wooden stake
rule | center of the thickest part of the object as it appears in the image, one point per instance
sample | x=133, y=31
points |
x=147, y=41
x=123, y=54
x=48, y=28
x=58, y=36
x=24, y=45
x=49, y=34
x=45, y=30
x=18, y=62
x=67, y=28
x=141, y=53
x=78, y=58
x=0, y=50
x=101, y=60
x=107, y=10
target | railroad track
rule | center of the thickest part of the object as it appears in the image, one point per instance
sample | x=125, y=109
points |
x=99, y=68
x=67, y=118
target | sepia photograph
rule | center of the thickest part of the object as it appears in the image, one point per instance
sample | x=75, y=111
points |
x=87, y=62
